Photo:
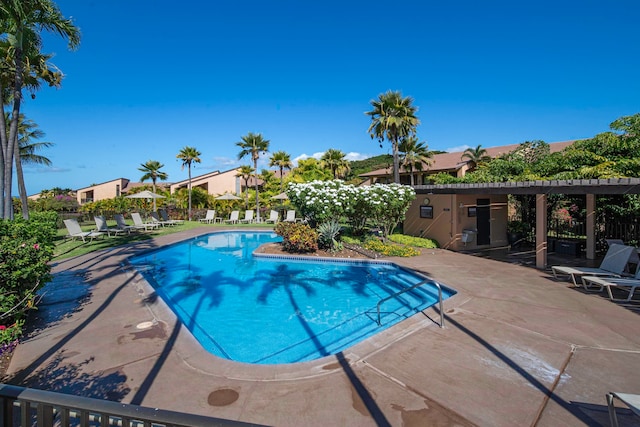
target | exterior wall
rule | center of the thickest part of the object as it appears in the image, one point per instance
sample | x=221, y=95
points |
x=214, y=183
x=106, y=190
x=451, y=217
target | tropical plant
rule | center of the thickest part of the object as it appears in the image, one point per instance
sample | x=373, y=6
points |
x=297, y=237
x=152, y=171
x=336, y=162
x=476, y=155
x=328, y=233
x=309, y=170
x=252, y=145
x=189, y=155
x=196, y=198
x=415, y=155
x=245, y=172
x=281, y=160
x=23, y=65
x=393, y=118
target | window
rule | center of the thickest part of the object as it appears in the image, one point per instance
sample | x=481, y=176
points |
x=426, y=211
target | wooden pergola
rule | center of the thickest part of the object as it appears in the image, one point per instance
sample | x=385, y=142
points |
x=541, y=189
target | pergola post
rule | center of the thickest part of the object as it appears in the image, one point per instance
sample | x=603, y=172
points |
x=591, y=226
x=541, y=231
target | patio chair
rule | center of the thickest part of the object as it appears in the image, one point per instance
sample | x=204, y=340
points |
x=210, y=217
x=233, y=218
x=291, y=216
x=273, y=217
x=628, y=284
x=635, y=258
x=613, y=264
x=101, y=226
x=155, y=219
x=631, y=400
x=139, y=224
x=74, y=230
x=165, y=217
x=248, y=217
x=122, y=225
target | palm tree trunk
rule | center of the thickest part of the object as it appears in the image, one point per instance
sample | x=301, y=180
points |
x=154, y=191
x=189, y=215
x=12, y=138
x=3, y=150
x=22, y=189
x=396, y=162
x=255, y=176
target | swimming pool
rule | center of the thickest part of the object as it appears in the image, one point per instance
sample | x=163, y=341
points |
x=266, y=310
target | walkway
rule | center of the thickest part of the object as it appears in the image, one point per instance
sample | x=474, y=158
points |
x=518, y=349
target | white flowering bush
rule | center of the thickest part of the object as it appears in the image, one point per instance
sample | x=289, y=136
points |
x=322, y=201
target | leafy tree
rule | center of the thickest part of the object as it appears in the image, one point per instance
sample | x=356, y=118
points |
x=253, y=144
x=245, y=173
x=23, y=65
x=197, y=198
x=189, y=155
x=336, y=162
x=393, y=118
x=152, y=171
x=415, y=155
x=309, y=170
x=281, y=160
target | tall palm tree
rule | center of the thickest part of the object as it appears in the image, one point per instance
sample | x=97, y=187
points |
x=22, y=21
x=189, y=155
x=152, y=171
x=245, y=173
x=393, y=117
x=282, y=160
x=416, y=155
x=27, y=131
x=476, y=155
x=335, y=161
x=253, y=144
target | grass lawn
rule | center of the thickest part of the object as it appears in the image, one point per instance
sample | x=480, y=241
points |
x=67, y=248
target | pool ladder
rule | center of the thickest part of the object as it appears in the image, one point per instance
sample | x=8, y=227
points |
x=417, y=285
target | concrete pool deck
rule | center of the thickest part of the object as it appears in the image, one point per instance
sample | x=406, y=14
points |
x=518, y=348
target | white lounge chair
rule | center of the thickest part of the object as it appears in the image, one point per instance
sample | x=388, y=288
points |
x=273, y=217
x=122, y=225
x=631, y=400
x=138, y=223
x=74, y=230
x=291, y=216
x=165, y=217
x=233, y=218
x=628, y=284
x=613, y=264
x=248, y=217
x=101, y=226
x=210, y=217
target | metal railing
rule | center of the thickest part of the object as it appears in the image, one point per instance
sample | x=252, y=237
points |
x=21, y=406
x=417, y=285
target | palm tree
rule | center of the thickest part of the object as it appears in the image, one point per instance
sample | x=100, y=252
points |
x=253, y=144
x=393, y=118
x=476, y=155
x=22, y=21
x=282, y=160
x=245, y=173
x=189, y=155
x=27, y=131
x=152, y=171
x=415, y=155
x=334, y=160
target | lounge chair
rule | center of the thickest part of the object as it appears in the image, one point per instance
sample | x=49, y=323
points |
x=273, y=217
x=614, y=263
x=635, y=258
x=628, y=284
x=248, y=217
x=139, y=224
x=210, y=217
x=101, y=226
x=122, y=225
x=631, y=400
x=291, y=217
x=165, y=217
x=74, y=230
x=233, y=218
x=155, y=219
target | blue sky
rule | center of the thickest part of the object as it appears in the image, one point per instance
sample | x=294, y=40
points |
x=151, y=77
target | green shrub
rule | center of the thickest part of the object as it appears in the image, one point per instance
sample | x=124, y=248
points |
x=328, y=235
x=296, y=237
x=418, y=242
x=389, y=249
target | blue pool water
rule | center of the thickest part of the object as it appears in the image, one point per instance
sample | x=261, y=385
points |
x=265, y=310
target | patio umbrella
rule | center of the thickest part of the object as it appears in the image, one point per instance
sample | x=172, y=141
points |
x=228, y=196
x=281, y=196
x=146, y=194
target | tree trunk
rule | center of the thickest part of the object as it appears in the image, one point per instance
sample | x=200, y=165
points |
x=396, y=162
x=13, y=130
x=255, y=176
x=22, y=189
x=3, y=151
x=189, y=214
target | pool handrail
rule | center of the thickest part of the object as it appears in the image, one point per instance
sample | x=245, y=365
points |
x=417, y=285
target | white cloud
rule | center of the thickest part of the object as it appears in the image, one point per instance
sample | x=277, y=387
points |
x=357, y=156
x=457, y=149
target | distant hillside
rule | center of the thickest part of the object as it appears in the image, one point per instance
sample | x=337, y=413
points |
x=367, y=165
